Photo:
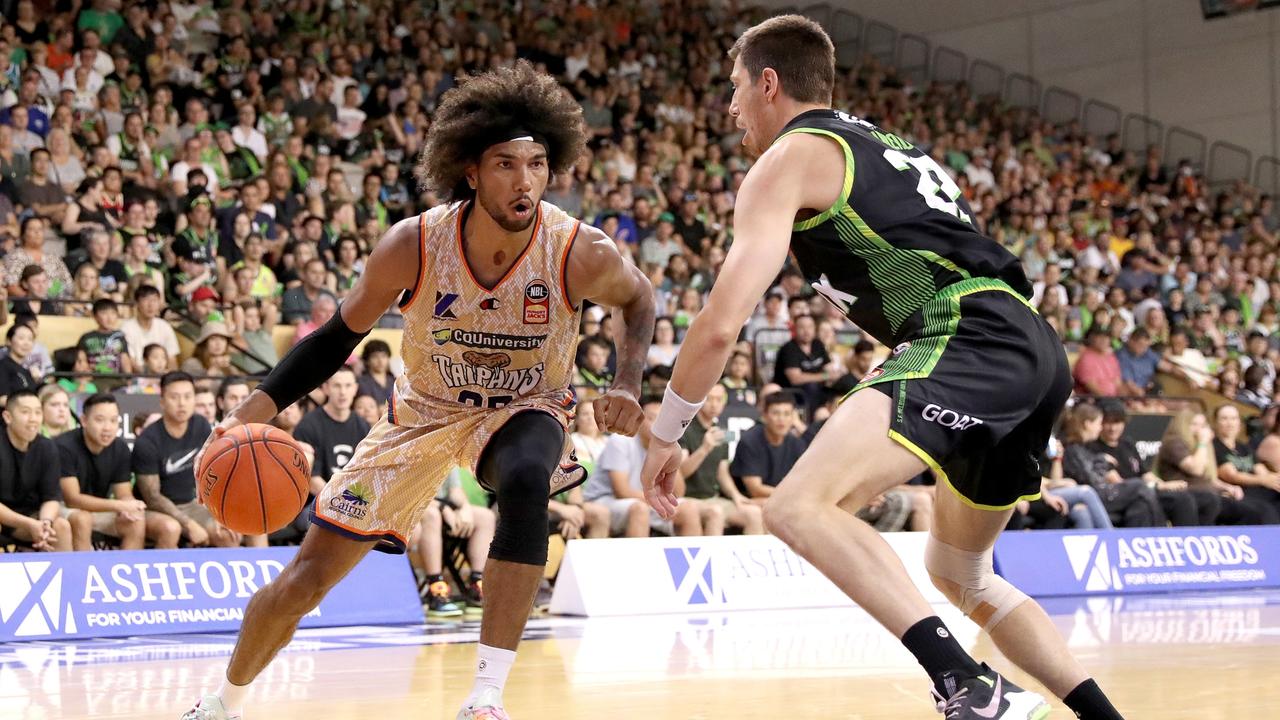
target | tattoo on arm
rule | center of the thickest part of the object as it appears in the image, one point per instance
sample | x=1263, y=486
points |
x=637, y=319
x=149, y=486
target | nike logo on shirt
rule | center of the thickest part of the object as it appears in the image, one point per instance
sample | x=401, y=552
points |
x=172, y=466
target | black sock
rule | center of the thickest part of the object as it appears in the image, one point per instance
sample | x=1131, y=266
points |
x=1089, y=703
x=475, y=576
x=432, y=579
x=938, y=653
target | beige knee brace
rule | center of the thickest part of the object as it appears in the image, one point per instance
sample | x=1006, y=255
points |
x=982, y=595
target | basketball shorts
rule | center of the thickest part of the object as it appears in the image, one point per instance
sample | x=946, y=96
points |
x=398, y=468
x=976, y=390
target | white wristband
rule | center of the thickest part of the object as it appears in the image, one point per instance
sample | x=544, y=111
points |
x=675, y=416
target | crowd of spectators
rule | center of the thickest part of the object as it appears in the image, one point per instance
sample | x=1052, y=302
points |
x=222, y=172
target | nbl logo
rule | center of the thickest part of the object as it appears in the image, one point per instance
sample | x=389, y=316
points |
x=31, y=602
x=537, y=303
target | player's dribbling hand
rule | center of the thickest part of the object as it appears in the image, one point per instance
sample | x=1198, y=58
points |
x=661, y=464
x=617, y=411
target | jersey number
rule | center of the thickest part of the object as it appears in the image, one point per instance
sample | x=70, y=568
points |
x=475, y=399
x=935, y=186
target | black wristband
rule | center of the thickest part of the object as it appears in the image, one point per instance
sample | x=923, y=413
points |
x=311, y=362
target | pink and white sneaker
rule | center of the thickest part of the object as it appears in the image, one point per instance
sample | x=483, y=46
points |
x=486, y=707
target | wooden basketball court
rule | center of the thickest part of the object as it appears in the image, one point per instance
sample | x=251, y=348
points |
x=1160, y=657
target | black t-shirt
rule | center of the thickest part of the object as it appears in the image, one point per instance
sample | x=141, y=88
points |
x=1128, y=462
x=156, y=452
x=369, y=386
x=13, y=377
x=112, y=277
x=105, y=350
x=96, y=473
x=28, y=479
x=334, y=442
x=1241, y=457
x=792, y=355
x=755, y=456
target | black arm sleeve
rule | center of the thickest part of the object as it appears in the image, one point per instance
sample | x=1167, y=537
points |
x=311, y=362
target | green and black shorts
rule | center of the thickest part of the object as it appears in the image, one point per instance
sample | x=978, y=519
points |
x=976, y=387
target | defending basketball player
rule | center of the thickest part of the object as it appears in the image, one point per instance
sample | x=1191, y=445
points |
x=491, y=287
x=971, y=392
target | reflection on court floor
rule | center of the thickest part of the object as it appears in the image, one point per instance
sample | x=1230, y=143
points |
x=729, y=665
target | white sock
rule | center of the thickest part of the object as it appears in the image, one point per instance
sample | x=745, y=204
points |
x=232, y=697
x=492, y=668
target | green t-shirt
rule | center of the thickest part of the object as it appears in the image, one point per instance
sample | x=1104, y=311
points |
x=106, y=24
x=703, y=482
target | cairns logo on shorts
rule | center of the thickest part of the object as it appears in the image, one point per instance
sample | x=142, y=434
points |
x=353, y=502
x=949, y=418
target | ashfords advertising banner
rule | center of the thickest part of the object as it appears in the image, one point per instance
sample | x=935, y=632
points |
x=1140, y=560
x=697, y=574
x=151, y=592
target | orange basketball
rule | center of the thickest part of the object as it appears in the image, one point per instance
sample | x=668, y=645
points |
x=254, y=479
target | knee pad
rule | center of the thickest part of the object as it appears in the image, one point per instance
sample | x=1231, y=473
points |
x=986, y=598
x=521, y=533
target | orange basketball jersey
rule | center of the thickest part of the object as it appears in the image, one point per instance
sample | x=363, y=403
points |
x=486, y=347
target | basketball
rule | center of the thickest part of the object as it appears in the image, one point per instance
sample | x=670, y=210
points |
x=254, y=479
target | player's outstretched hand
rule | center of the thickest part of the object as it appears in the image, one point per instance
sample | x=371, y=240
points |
x=617, y=411
x=661, y=464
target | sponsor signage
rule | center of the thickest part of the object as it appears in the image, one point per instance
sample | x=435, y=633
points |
x=1047, y=563
x=150, y=592
x=737, y=572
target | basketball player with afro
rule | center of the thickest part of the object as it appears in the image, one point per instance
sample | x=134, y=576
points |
x=491, y=287
x=971, y=391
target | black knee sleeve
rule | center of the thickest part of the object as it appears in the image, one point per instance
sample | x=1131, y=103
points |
x=518, y=463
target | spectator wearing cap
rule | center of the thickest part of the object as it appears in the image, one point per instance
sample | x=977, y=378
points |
x=1097, y=372
x=193, y=275
x=212, y=355
x=199, y=239
x=296, y=304
x=657, y=250
x=146, y=328
x=106, y=346
x=1181, y=506
x=1139, y=364
x=1205, y=334
x=689, y=226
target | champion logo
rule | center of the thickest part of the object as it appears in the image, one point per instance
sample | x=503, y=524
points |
x=31, y=602
x=691, y=573
x=1091, y=563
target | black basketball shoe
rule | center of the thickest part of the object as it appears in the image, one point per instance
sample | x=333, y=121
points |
x=989, y=696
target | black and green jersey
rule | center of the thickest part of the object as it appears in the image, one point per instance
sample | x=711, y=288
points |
x=899, y=234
